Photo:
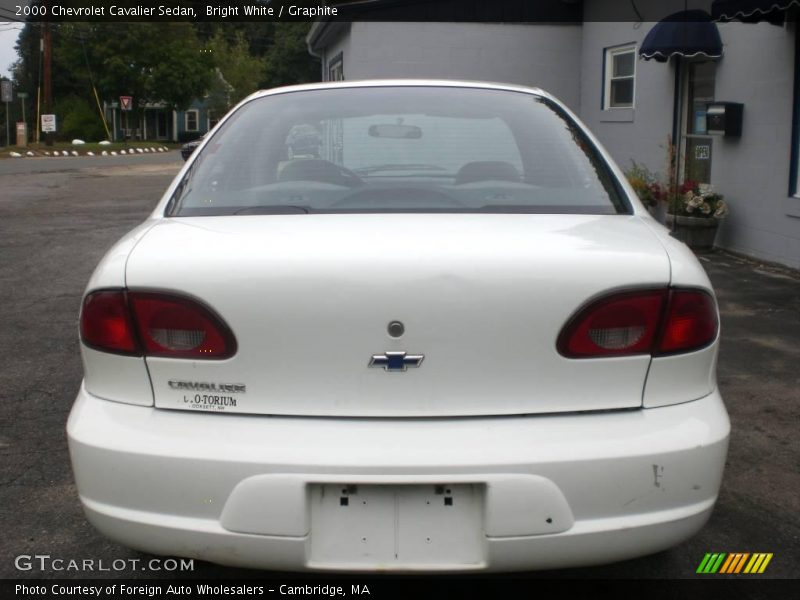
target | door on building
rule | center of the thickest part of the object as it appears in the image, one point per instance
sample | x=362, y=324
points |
x=162, y=132
x=149, y=123
x=697, y=146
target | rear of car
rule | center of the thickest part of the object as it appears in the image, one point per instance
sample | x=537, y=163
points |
x=399, y=326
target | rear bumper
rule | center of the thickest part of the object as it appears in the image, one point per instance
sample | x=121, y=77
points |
x=551, y=491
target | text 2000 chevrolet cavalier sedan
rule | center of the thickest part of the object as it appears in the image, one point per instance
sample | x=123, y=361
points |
x=411, y=325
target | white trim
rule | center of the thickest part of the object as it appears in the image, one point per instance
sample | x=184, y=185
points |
x=196, y=120
x=740, y=14
x=608, y=70
x=658, y=54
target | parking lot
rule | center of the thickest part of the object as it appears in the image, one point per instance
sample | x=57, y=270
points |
x=58, y=217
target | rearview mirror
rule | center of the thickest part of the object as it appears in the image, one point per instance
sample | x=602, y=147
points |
x=398, y=132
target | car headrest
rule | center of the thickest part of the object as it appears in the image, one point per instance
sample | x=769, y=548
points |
x=314, y=169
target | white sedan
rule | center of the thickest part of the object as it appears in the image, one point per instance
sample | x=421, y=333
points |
x=399, y=325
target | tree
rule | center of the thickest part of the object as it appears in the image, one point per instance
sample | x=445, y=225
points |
x=281, y=47
x=241, y=70
x=259, y=34
x=79, y=119
x=153, y=62
x=288, y=60
x=165, y=62
x=70, y=78
x=25, y=70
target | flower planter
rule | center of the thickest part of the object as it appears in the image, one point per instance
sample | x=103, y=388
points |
x=696, y=232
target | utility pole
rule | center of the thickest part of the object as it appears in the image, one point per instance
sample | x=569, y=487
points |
x=48, y=75
x=7, y=94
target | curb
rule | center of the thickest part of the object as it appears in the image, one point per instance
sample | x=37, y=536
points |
x=72, y=153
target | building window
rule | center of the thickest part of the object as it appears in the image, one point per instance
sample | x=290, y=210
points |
x=619, y=76
x=336, y=68
x=191, y=120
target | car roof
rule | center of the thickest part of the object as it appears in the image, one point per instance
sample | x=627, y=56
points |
x=365, y=83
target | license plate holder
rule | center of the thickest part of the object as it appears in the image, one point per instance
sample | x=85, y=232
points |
x=400, y=526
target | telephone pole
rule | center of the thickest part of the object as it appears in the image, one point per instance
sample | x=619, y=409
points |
x=47, y=42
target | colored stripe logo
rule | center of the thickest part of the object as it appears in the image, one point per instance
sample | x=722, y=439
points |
x=734, y=563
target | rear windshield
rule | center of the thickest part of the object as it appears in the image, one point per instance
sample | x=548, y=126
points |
x=398, y=149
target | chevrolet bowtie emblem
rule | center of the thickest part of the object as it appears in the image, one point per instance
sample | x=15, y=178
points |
x=396, y=361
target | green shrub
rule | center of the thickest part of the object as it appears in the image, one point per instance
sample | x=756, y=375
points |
x=79, y=118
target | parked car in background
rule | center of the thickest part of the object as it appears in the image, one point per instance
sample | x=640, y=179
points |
x=443, y=336
x=189, y=147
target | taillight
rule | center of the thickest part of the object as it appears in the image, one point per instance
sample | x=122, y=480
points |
x=156, y=324
x=179, y=327
x=106, y=323
x=641, y=322
x=615, y=325
x=690, y=323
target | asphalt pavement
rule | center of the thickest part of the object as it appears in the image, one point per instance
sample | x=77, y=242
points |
x=58, y=217
x=52, y=164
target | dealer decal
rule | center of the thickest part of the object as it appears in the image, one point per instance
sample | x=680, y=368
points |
x=210, y=401
x=201, y=395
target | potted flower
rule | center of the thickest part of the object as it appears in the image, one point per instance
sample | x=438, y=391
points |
x=694, y=214
x=649, y=189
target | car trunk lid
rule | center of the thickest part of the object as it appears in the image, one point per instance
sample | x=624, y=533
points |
x=482, y=299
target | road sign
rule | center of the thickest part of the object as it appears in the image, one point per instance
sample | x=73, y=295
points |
x=22, y=95
x=48, y=123
x=6, y=94
x=126, y=102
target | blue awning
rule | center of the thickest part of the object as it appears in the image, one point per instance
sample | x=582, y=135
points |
x=752, y=11
x=687, y=34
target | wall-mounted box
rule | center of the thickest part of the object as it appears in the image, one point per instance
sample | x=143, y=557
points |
x=724, y=118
